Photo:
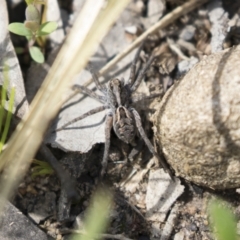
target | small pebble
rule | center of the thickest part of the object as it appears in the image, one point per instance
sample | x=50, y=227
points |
x=47, y=223
x=31, y=189
x=192, y=227
x=188, y=33
x=205, y=222
x=59, y=237
x=192, y=210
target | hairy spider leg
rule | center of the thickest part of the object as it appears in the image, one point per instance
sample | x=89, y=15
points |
x=108, y=127
x=136, y=84
x=147, y=141
x=99, y=86
x=134, y=64
x=88, y=92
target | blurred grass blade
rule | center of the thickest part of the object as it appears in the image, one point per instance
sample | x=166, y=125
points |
x=4, y=128
x=223, y=222
x=41, y=172
x=41, y=168
x=8, y=119
x=96, y=216
x=41, y=163
x=3, y=96
x=76, y=51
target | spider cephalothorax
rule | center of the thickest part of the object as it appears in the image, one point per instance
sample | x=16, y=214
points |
x=122, y=116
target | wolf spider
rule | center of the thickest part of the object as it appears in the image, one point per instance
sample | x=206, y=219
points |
x=125, y=120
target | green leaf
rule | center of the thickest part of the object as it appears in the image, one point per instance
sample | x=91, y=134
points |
x=29, y=38
x=36, y=54
x=47, y=28
x=223, y=222
x=19, y=29
x=32, y=13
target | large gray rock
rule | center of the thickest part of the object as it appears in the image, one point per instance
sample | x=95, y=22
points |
x=198, y=122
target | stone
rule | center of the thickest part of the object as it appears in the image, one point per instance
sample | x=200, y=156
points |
x=197, y=124
x=16, y=226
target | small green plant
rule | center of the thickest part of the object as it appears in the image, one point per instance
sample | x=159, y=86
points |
x=5, y=116
x=32, y=29
x=223, y=221
x=41, y=168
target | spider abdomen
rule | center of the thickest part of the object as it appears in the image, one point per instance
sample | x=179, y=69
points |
x=123, y=125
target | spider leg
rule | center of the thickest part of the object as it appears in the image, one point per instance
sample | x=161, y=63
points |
x=99, y=86
x=89, y=92
x=108, y=127
x=142, y=73
x=133, y=66
x=89, y=113
x=147, y=141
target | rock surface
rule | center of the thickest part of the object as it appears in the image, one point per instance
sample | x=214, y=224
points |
x=14, y=225
x=198, y=122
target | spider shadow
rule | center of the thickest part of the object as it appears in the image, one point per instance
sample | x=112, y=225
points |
x=86, y=126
